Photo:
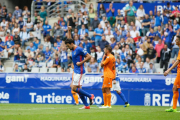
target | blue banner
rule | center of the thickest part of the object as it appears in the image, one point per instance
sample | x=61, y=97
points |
x=58, y=96
x=91, y=81
x=147, y=6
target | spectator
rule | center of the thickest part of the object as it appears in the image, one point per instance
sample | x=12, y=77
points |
x=59, y=42
x=103, y=24
x=112, y=21
x=21, y=23
x=64, y=27
x=174, y=70
x=93, y=53
x=56, y=62
x=30, y=61
x=64, y=60
x=119, y=17
x=2, y=45
x=4, y=12
x=76, y=40
x=146, y=24
x=151, y=69
x=169, y=36
x=82, y=32
x=158, y=49
x=29, y=53
x=102, y=12
x=146, y=64
x=98, y=32
x=17, y=13
x=24, y=36
x=29, y=25
x=113, y=42
x=17, y=40
x=38, y=30
x=99, y=54
x=142, y=69
x=134, y=32
x=131, y=10
x=16, y=29
x=93, y=66
x=139, y=63
x=169, y=8
x=123, y=66
x=72, y=21
x=165, y=55
x=36, y=42
x=4, y=23
x=26, y=69
x=158, y=20
x=175, y=12
x=85, y=19
x=58, y=32
x=26, y=13
x=48, y=55
x=20, y=57
x=43, y=14
x=133, y=70
x=31, y=47
x=1, y=67
x=40, y=57
x=95, y=23
x=140, y=11
x=151, y=34
x=103, y=43
x=175, y=48
x=110, y=11
x=9, y=45
x=84, y=8
x=151, y=53
x=16, y=69
x=91, y=13
x=47, y=28
x=9, y=17
x=140, y=51
x=87, y=45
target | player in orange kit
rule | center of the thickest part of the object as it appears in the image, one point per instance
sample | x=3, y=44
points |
x=177, y=80
x=108, y=62
x=75, y=95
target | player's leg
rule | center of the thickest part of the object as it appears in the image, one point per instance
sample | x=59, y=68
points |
x=75, y=96
x=123, y=98
x=108, y=96
x=77, y=82
x=104, y=96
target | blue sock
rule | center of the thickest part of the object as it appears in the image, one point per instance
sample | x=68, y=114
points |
x=122, y=97
x=83, y=100
x=82, y=92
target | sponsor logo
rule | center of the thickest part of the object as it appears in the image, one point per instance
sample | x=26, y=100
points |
x=135, y=80
x=10, y=79
x=158, y=100
x=92, y=79
x=4, y=97
x=169, y=81
x=113, y=99
x=49, y=78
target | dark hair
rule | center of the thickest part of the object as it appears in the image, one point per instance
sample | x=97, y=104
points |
x=112, y=53
x=69, y=41
x=178, y=37
x=109, y=48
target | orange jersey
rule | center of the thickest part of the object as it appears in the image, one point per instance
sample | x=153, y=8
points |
x=110, y=66
x=178, y=58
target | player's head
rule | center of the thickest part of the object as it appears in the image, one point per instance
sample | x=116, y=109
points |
x=70, y=43
x=178, y=40
x=107, y=49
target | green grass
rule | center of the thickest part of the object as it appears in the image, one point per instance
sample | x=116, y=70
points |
x=70, y=112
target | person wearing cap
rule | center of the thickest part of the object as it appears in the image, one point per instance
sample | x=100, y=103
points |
x=82, y=32
x=131, y=10
x=151, y=68
x=87, y=46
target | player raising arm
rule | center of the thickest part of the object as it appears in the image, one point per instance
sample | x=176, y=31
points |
x=79, y=57
x=108, y=62
x=177, y=80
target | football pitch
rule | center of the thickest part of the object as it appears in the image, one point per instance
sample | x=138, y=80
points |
x=70, y=112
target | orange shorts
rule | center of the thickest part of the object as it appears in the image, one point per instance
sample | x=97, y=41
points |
x=73, y=92
x=177, y=81
x=107, y=83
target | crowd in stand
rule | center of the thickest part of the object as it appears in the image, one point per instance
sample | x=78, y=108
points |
x=139, y=39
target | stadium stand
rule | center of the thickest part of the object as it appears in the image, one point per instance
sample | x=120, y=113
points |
x=134, y=36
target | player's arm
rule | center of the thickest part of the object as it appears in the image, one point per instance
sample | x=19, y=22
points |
x=104, y=61
x=172, y=67
x=86, y=58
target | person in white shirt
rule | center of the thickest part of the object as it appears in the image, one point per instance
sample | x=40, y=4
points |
x=85, y=19
x=116, y=52
x=175, y=48
x=103, y=22
x=47, y=42
x=24, y=35
x=84, y=8
x=140, y=11
x=38, y=30
x=4, y=23
x=29, y=25
x=99, y=54
x=134, y=32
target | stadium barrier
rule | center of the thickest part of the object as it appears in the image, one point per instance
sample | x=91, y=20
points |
x=47, y=88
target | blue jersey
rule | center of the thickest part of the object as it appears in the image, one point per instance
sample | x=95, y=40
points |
x=2, y=44
x=47, y=54
x=117, y=77
x=46, y=27
x=64, y=56
x=59, y=43
x=77, y=56
x=9, y=44
x=152, y=34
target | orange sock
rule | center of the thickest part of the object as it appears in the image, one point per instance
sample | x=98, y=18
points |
x=108, y=99
x=76, y=98
x=105, y=99
x=175, y=99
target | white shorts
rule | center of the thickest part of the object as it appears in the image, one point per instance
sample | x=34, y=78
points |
x=116, y=86
x=9, y=51
x=78, y=79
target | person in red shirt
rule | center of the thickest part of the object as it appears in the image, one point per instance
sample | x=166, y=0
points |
x=7, y=36
x=175, y=12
